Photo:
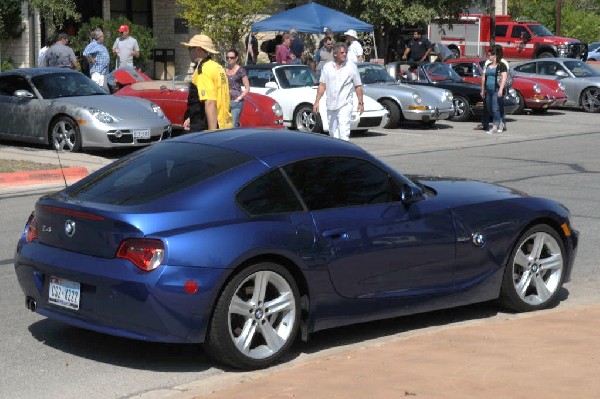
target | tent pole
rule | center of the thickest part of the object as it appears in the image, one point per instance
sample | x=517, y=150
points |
x=374, y=43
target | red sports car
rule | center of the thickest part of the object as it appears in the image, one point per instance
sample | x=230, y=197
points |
x=171, y=96
x=537, y=94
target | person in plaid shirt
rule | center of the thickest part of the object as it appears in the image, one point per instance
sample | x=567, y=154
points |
x=98, y=58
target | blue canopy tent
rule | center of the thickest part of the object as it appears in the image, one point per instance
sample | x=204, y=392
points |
x=312, y=18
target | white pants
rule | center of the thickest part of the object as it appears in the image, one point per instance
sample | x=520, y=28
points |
x=339, y=122
x=98, y=78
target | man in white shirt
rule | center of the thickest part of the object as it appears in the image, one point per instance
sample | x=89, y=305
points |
x=126, y=48
x=340, y=79
x=355, y=50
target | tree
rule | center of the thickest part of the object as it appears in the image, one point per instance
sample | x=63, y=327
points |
x=11, y=24
x=56, y=12
x=388, y=16
x=226, y=22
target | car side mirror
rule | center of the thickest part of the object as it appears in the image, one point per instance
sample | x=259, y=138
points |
x=271, y=85
x=410, y=194
x=23, y=94
x=561, y=74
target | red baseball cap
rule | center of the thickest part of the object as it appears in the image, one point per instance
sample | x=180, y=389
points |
x=124, y=28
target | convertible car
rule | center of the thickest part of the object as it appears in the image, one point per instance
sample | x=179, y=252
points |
x=68, y=110
x=403, y=102
x=171, y=96
x=294, y=87
x=537, y=94
x=581, y=81
x=241, y=239
x=466, y=96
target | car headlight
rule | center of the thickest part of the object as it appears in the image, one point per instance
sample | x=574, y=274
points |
x=448, y=95
x=417, y=98
x=102, y=116
x=512, y=92
x=277, y=110
x=158, y=110
x=561, y=86
x=537, y=88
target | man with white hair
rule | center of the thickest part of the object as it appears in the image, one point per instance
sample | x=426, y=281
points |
x=97, y=56
x=355, y=50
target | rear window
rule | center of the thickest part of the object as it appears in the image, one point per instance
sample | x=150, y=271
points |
x=156, y=172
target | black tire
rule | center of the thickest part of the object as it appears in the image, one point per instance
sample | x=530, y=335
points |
x=65, y=135
x=306, y=120
x=242, y=311
x=394, y=113
x=590, y=99
x=533, y=276
x=462, y=109
x=546, y=54
x=521, y=101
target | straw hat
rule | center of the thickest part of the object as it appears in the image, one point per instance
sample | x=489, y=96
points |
x=351, y=32
x=201, y=41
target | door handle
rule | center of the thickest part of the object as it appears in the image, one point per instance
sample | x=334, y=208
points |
x=336, y=234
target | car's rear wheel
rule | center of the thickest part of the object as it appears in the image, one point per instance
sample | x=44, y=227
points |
x=306, y=120
x=394, y=113
x=256, y=317
x=520, y=105
x=590, y=99
x=65, y=135
x=535, y=270
x=462, y=109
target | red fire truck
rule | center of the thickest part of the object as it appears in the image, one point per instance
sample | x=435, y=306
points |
x=470, y=37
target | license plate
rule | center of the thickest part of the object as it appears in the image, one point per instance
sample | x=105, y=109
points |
x=64, y=293
x=141, y=134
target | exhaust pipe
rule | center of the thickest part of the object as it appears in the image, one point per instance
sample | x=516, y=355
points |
x=30, y=303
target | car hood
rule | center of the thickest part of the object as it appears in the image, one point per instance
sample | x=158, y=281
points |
x=118, y=106
x=458, y=87
x=422, y=90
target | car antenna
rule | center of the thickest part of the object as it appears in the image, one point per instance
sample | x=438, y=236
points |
x=62, y=171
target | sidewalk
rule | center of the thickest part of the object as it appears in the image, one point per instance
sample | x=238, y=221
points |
x=549, y=354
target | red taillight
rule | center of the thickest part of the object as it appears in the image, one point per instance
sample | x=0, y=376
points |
x=147, y=254
x=31, y=231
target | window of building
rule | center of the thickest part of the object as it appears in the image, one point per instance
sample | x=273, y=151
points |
x=137, y=11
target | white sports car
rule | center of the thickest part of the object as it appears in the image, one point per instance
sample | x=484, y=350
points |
x=294, y=87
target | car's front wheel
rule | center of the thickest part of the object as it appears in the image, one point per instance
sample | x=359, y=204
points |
x=394, y=113
x=535, y=270
x=520, y=103
x=65, y=135
x=306, y=120
x=462, y=109
x=256, y=317
x=590, y=99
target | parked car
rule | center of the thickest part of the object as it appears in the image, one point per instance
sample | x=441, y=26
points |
x=66, y=109
x=172, y=95
x=466, y=96
x=594, y=52
x=581, y=81
x=403, y=102
x=294, y=87
x=537, y=95
x=241, y=238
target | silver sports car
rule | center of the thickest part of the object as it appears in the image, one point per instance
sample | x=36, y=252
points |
x=404, y=102
x=581, y=81
x=65, y=108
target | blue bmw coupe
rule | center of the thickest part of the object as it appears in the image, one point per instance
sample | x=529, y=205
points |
x=244, y=239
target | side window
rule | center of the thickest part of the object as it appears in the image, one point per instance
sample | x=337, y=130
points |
x=526, y=68
x=340, y=182
x=501, y=30
x=10, y=84
x=269, y=194
x=517, y=31
x=547, y=68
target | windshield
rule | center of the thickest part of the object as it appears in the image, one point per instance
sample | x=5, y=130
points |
x=66, y=84
x=540, y=30
x=370, y=73
x=290, y=77
x=438, y=72
x=581, y=69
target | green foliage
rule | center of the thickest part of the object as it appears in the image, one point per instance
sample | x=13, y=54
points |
x=579, y=18
x=226, y=22
x=142, y=34
x=56, y=12
x=11, y=24
x=6, y=65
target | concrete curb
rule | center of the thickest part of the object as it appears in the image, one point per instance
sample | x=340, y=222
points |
x=31, y=177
